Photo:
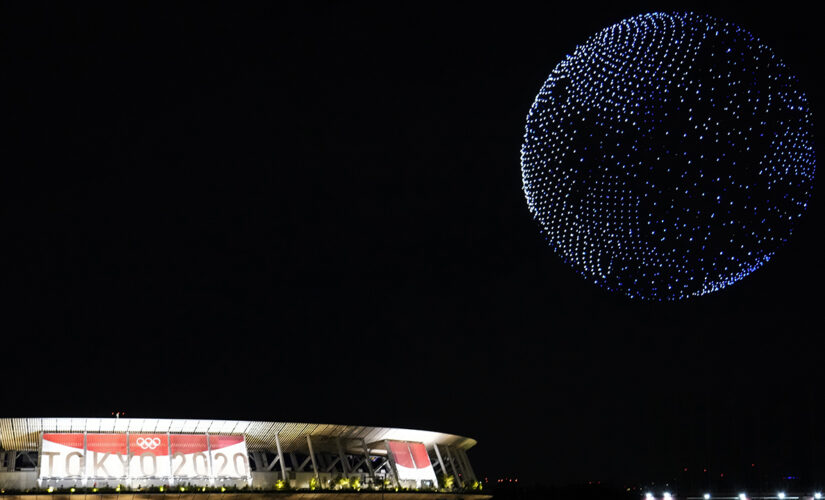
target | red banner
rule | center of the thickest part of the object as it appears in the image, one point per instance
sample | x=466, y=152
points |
x=116, y=457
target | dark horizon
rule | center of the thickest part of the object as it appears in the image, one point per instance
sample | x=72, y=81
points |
x=315, y=213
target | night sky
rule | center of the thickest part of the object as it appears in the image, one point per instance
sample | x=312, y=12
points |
x=314, y=213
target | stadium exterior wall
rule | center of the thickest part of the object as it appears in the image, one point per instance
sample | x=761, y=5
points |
x=402, y=495
x=20, y=481
x=38, y=454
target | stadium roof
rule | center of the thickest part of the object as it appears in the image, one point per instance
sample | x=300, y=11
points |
x=23, y=434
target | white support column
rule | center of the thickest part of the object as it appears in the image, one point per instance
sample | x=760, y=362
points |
x=343, y=457
x=440, y=460
x=466, y=461
x=260, y=460
x=85, y=476
x=465, y=475
x=271, y=465
x=171, y=459
x=209, y=463
x=246, y=464
x=453, y=466
x=368, y=461
x=128, y=462
x=281, y=457
x=391, y=463
x=461, y=466
x=39, y=459
x=314, y=464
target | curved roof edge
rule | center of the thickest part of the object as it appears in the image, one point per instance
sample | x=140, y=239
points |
x=23, y=434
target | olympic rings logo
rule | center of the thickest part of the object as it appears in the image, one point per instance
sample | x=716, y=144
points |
x=148, y=443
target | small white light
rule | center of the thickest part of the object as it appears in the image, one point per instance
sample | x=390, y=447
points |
x=667, y=496
x=707, y=496
x=648, y=496
x=818, y=495
x=743, y=496
x=781, y=495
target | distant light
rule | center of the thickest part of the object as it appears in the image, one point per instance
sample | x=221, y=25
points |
x=818, y=495
x=648, y=496
x=781, y=495
x=667, y=496
x=743, y=496
x=707, y=496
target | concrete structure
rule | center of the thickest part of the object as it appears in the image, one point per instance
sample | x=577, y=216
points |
x=299, y=455
x=362, y=495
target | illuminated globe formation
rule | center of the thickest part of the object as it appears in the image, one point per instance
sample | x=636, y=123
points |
x=669, y=156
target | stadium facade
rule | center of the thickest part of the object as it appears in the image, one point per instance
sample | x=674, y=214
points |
x=138, y=453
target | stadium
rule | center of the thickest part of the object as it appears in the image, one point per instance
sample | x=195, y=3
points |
x=164, y=456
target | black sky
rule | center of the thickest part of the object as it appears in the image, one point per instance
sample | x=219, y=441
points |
x=314, y=212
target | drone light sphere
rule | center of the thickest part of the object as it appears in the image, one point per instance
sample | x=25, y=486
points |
x=669, y=156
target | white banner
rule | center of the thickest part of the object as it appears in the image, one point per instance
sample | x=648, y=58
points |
x=143, y=456
x=62, y=455
x=229, y=457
